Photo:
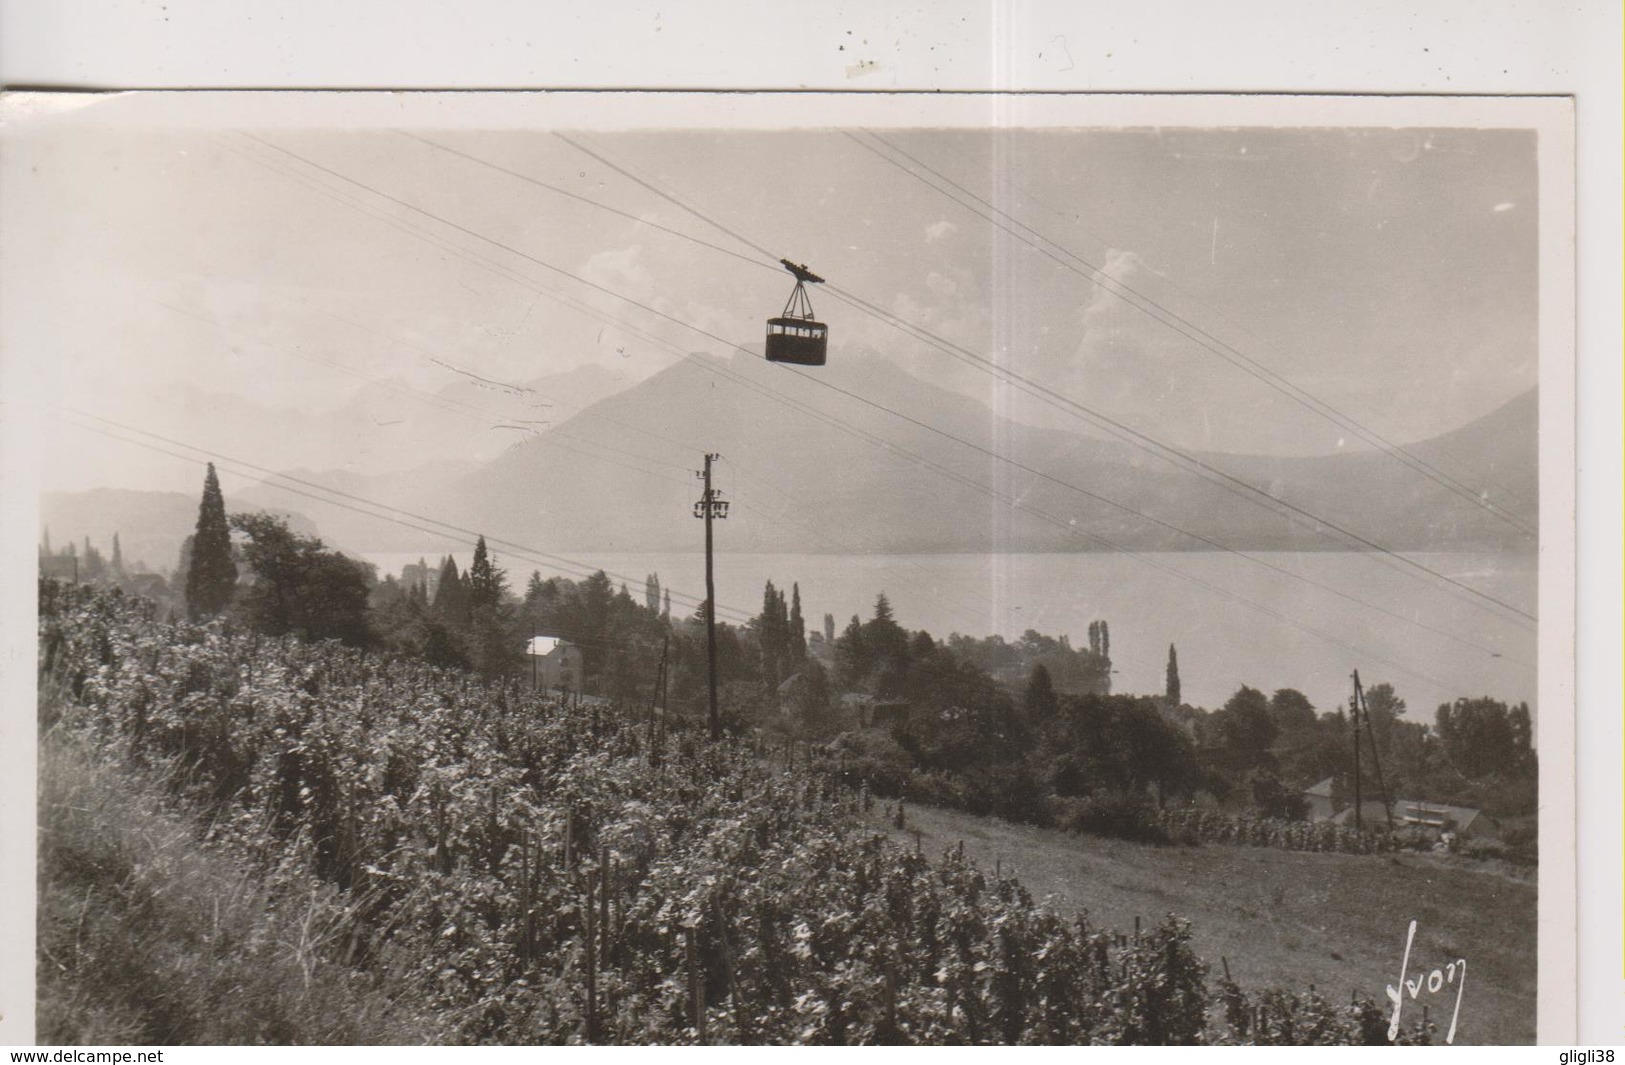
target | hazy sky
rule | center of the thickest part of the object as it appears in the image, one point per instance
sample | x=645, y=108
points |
x=175, y=277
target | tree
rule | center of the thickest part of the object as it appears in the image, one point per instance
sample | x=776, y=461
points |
x=451, y=596
x=299, y=588
x=1172, y=693
x=487, y=585
x=651, y=593
x=1039, y=700
x=1246, y=728
x=829, y=630
x=1275, y=799
x=1291, y=711
x=118, y=558
x=94, y=566
x=797, y=645
x=211, y=576
x=853, y=658
x=665, y=608
x=495, y=643
x=1484, y=737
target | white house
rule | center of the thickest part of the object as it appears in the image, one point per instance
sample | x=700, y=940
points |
x=553, y=663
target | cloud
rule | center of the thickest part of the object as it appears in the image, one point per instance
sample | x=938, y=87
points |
x=939, y=229
x=620, y=269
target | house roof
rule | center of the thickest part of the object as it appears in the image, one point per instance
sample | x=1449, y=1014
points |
x=1320, y=790
x=1437, y=813
x=1417, y=813
x=542, y=646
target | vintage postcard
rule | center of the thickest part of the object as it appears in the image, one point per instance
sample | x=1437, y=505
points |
x=685, y=568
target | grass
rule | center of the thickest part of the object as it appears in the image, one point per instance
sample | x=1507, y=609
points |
x=147, y=936
x=1289, y=919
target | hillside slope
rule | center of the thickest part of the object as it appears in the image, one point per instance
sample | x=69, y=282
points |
x=816, y=459
x=1288, y=918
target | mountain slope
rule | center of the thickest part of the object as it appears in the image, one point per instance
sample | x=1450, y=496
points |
x=616, y=477
x=150, y=525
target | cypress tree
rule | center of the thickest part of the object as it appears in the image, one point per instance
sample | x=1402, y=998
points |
x=450, y=597
x=1039, y=699
x=118, y=557
x=1173, y=677
x=797, y=626
x=771, y=634
x=211, y=576
x=484, y=585
x=665, y=610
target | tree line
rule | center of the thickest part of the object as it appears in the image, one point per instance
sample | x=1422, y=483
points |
x=1027, y=729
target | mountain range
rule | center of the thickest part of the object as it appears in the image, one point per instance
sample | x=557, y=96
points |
x=860, y=457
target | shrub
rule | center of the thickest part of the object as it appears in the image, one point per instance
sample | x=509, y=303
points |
x=1116, y=816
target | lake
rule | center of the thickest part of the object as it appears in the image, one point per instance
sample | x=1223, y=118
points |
x=1234, y=621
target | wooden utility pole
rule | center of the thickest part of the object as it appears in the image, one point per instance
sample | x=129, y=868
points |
x=710, y=506
x=1354, y=712
x=1376, y=760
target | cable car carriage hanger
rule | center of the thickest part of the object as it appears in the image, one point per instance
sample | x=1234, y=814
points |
x=795, y=336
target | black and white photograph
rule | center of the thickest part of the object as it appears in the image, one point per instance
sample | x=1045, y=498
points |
x=712, y=569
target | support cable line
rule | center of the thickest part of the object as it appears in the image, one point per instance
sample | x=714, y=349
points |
x=550, y=437
x=410, y=519
x=1003, y=179
x=1167, y=452
x=729, y=344
x=1148, y=306
x=1065, y=525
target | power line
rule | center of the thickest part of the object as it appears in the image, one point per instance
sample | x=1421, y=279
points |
x=479, y=413
x=1004, y=178
x=730, y=344
x=1269, y=502
x=404, y=517
x=1240, y=487
x=1068, y=527
x=1152, y=309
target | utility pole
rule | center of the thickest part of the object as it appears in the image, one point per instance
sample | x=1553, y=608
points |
x=1354, y=711
x=1376, y=759
x=710, y=506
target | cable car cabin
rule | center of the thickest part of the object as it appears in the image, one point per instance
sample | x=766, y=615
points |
x=796, y=340
x=794, y=336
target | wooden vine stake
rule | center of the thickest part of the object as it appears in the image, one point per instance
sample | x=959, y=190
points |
x=603, y=903
x=728, y=964
x=889, y=1036
x=696, y=988
x=592, y=961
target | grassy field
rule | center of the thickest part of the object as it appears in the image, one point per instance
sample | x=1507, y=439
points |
x=1290, y=919
x=145, y=936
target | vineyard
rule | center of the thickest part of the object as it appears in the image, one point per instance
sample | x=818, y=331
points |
x=540, y=874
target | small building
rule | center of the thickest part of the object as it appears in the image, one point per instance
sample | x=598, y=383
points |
x=553, y=663
x=870, y=712
x=1317, y=800
x=1464, y=821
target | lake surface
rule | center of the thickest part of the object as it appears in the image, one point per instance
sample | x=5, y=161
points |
x=1234, y=620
